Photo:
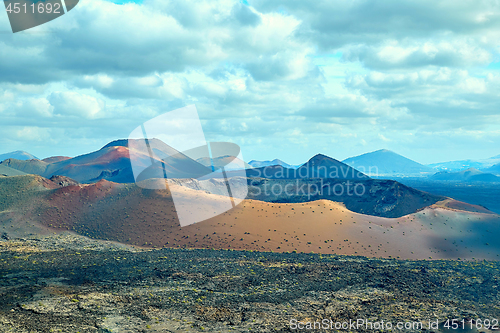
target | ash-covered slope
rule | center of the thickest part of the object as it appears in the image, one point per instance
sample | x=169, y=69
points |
x=5, y=171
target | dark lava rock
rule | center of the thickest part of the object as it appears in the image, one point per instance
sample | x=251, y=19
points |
x=64, y=284
x=63, y=181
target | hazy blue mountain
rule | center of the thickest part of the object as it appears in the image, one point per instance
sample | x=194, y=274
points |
x=18, y=155
x=260, y=164
x=495, y=169
x=469, y=175
x=460, y=165
x=385, y=162
x=456, y=165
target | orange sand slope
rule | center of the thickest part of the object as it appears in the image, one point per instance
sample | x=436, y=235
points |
x=328, y=227
x=136, y=216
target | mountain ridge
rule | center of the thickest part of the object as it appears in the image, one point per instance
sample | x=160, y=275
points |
x=276, y=161
x=318, y=166
x=468, y=175
x=113, y=162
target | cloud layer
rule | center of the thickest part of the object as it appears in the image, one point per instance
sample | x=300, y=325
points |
x=284, y=79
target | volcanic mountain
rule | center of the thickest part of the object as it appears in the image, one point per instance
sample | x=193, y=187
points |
x=133, y=215
x=18, y=155
x=319, y=166
x=114, y=162
x=385, y=162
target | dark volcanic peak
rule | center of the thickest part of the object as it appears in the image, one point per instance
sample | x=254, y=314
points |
x=386, y=162
x=63, y=181
x=319, y=166
x=322, y=159
x=322, y=166
x=18, y=155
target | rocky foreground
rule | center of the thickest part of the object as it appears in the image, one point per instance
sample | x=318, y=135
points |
x=73, y=284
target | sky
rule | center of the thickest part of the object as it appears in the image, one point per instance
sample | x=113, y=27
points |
x=282, y=79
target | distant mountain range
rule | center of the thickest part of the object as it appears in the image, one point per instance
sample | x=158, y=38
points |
x=260, y=164
x=113, y=162
x=483, y=164
x=469, y=175
x=495, y=169
x=385, y=162
x=18, y=155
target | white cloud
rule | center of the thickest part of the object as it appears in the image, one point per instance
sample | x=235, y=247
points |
x=417, y=53
x=70, y=103
x=31, y=133
x=272, y=74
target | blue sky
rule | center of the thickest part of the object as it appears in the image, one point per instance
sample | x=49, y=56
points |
x=283, y=79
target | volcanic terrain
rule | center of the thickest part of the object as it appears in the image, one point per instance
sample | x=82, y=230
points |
x=137, y=216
